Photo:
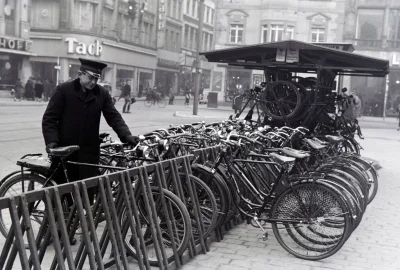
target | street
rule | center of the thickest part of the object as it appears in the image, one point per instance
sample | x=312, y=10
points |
x=21, y=126
x=374, y=245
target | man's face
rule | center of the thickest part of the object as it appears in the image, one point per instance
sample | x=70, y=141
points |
x=88, y=81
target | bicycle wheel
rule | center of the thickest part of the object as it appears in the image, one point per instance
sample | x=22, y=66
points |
x=282, y=100
x=218, y=188
x=148, y=103
x=311, y=208
x=180, y=223
x=207, y=205
x=370, y=171
x=161, y=103
x=17, y=185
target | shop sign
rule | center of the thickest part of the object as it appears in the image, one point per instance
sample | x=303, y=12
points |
x=292, y=56
x=168, y=63
x=395, y=60
x=74, y=46
x=217, y=81
x=15, y=44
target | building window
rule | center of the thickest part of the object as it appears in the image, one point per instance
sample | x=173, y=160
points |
x=210, y=45
x=264, y=34
x=173, y=14
x=196, y=14
x=193, y=7
x=211, y=16
x=290, y=32
x=166, y=45
x=51, y=21
x=205, y=41
x=178, y=12
x=169, y=6
x=317, y=34
x=206, y=14
x=276, y=33
x=236, y=33
x=194, y=38
x=188, y=6
x=178, y=42
x=370, y=27
x=186, y=37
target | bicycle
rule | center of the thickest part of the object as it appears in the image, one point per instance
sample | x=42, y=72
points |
x=152, y=99
x=37, y=173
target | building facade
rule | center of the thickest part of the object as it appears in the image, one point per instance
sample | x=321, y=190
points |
x=189, y=45
x=104, y=30
x=147, y=42
x=242, y=23
x=15, y=43
x=374, y=28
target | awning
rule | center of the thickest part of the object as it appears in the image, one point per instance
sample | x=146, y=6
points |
x=311, y=57
x=3, y=50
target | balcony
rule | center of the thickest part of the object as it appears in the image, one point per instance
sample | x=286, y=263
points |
x=368, y=43
x=393, y=44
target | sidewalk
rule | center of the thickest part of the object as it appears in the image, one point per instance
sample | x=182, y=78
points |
x=10, y=102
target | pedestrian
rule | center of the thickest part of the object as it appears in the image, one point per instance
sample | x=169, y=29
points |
x=347, y=105
x=357, y=104
x=398, y=110
x=126, y=94
x=171, y=96
x=187, y=98
x=29, y=93
x=18, y=90
x=38, y=90
x=73, y=117
x=52, y=88
x=46, y=90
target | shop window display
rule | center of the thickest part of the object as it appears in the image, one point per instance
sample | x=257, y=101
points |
x=123, y=75
x=237, y=81
x=145, y=83
x=8, y=71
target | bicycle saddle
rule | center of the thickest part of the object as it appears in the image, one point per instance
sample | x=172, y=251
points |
x=294, y=153
x=281, y=159
x=314, y=145
x=333, y=138
x=63, y=151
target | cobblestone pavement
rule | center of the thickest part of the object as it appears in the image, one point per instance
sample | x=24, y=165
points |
x=375, y=244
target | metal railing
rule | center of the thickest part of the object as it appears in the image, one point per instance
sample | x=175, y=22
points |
x=124, y=202
x=368, y=43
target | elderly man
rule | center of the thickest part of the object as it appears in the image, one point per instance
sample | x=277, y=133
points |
x=73, y=117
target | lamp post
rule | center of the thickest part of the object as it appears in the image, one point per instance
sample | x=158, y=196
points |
x=199, y=41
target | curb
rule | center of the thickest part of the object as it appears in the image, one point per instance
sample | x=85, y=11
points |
x=184, y=115
x=23, y=104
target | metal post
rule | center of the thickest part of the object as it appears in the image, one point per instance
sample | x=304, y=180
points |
x=386, y=96
x=58, y=70
x=199, y=42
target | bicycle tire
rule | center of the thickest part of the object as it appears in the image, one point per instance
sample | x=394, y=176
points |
x=162, y=103
x=208, y=206
x=185, y=218
x=9, y=183
x=369, y=169
x=148, y=103
x=330, y=202
x=271, y=110
x=218, y=187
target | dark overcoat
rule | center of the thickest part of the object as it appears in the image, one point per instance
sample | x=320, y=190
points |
x=71, y=118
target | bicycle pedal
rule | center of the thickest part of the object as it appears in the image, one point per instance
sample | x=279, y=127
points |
x=265, y=236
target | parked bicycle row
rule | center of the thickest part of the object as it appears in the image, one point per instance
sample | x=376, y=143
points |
x=311, y=190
